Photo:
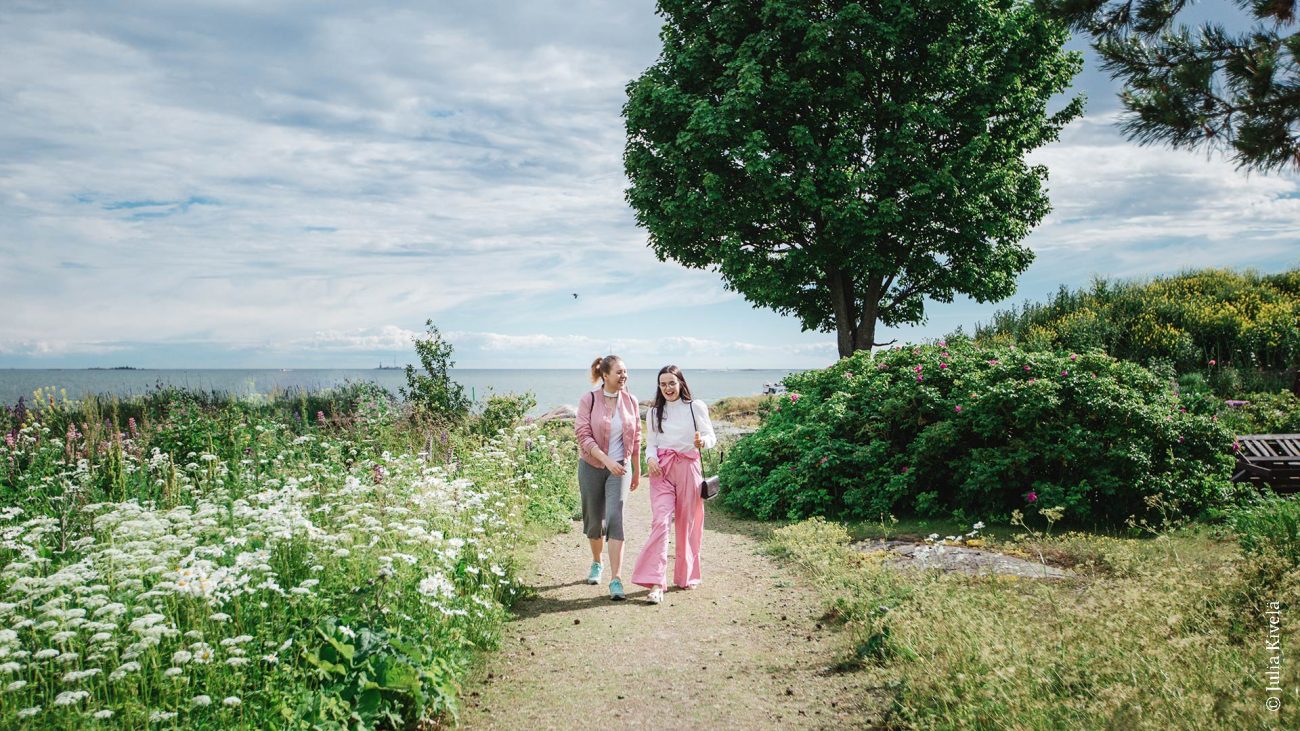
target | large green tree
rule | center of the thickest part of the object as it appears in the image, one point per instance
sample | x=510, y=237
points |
x=844, y=161
x=1202, y=87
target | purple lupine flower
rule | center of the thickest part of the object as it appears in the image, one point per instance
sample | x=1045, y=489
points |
x=320, y=418
x=131, y=427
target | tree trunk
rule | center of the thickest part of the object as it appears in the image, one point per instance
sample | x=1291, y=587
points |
x=841, y=286
x=864, y=334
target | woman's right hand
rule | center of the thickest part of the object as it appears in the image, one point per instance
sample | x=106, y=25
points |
x=616, y=468
x=652, y=467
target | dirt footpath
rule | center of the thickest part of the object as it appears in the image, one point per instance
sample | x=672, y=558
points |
x=743, y=650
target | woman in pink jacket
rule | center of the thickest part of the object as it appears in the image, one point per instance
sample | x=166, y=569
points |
x=677, y=428
x=609, y=439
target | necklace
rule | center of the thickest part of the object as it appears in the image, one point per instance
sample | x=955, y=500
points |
x=608, y=394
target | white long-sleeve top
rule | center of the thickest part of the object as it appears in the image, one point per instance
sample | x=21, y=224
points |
x=679, y=432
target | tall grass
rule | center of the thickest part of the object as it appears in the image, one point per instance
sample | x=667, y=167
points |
x=312, y=560
x=1163, y=634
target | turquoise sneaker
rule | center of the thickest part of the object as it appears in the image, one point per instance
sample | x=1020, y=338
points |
x=616, y=590
x=594, y=576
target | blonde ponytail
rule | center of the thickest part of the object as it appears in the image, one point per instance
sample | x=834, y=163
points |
x=601, y=366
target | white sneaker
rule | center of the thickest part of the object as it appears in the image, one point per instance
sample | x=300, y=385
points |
x=656, y=595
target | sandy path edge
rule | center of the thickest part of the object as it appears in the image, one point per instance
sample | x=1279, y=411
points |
x=744, y=650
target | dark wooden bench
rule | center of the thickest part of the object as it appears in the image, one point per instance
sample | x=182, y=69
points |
x=1272, y=459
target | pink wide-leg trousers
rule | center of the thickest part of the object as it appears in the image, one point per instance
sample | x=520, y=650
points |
x=674, y=497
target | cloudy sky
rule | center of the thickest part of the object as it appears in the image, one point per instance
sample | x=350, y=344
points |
x=246, y=183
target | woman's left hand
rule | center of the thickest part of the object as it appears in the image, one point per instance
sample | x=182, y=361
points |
x=636, y=480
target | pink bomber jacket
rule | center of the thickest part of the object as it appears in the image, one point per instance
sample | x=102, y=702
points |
x=593, y=424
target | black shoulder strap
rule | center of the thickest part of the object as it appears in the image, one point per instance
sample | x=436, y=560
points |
x=691, y=405
x=591, y=405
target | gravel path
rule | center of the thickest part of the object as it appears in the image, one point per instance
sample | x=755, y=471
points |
x=744, y=650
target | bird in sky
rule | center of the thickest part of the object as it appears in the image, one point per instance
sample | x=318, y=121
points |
x=575, y=295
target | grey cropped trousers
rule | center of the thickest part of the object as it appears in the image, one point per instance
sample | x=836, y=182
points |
x=603, y=493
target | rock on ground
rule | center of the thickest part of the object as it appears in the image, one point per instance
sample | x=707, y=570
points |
x=963, y=559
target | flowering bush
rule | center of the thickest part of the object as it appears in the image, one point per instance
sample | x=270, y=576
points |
x=1222, y=319
x=878, y=434
x=305, y=581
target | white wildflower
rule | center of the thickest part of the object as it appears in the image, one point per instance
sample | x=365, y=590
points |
x=16, y=685
x=201, y=700
x=231, y=701
x=69, y=697
x=101, y=715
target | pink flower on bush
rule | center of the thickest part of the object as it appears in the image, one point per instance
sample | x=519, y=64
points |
x=1236, y=446
x=905, y=469
x=1065, y=373
x=822, y=461
x=1031, y=496
x=957, y=408
x=994, y=361
x=943, y=365
x=1032, y=380
x=1073, y=357
x=1026, y=368
x=1213, y=362
x=794, y=397
x=917, y=368
x=943, y=343
x=919, y=378
x=1180, y=440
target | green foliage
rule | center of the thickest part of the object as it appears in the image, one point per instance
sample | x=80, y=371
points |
x=843, y=161
x=1264, y=413
x=257, y=574
x=1224, y=324
x=433, y=393
x=972, y=431
x=1203, y=86
x=503, y=411
x=1269, y=533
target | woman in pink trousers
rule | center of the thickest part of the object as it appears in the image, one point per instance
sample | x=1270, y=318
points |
x=676, y=429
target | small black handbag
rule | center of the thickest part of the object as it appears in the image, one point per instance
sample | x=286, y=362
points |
x=709, y=487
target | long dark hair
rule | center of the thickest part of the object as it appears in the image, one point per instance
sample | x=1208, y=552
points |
x=683, y=392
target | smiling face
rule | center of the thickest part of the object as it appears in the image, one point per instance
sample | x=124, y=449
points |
x=669, y=386
x=616, y=378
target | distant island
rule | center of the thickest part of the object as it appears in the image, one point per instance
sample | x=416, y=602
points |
x=114, y=368
x=383, y=367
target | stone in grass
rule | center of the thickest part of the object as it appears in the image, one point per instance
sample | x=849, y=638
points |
x=962, y=559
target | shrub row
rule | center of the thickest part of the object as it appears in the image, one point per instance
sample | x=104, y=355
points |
x=977, y=431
